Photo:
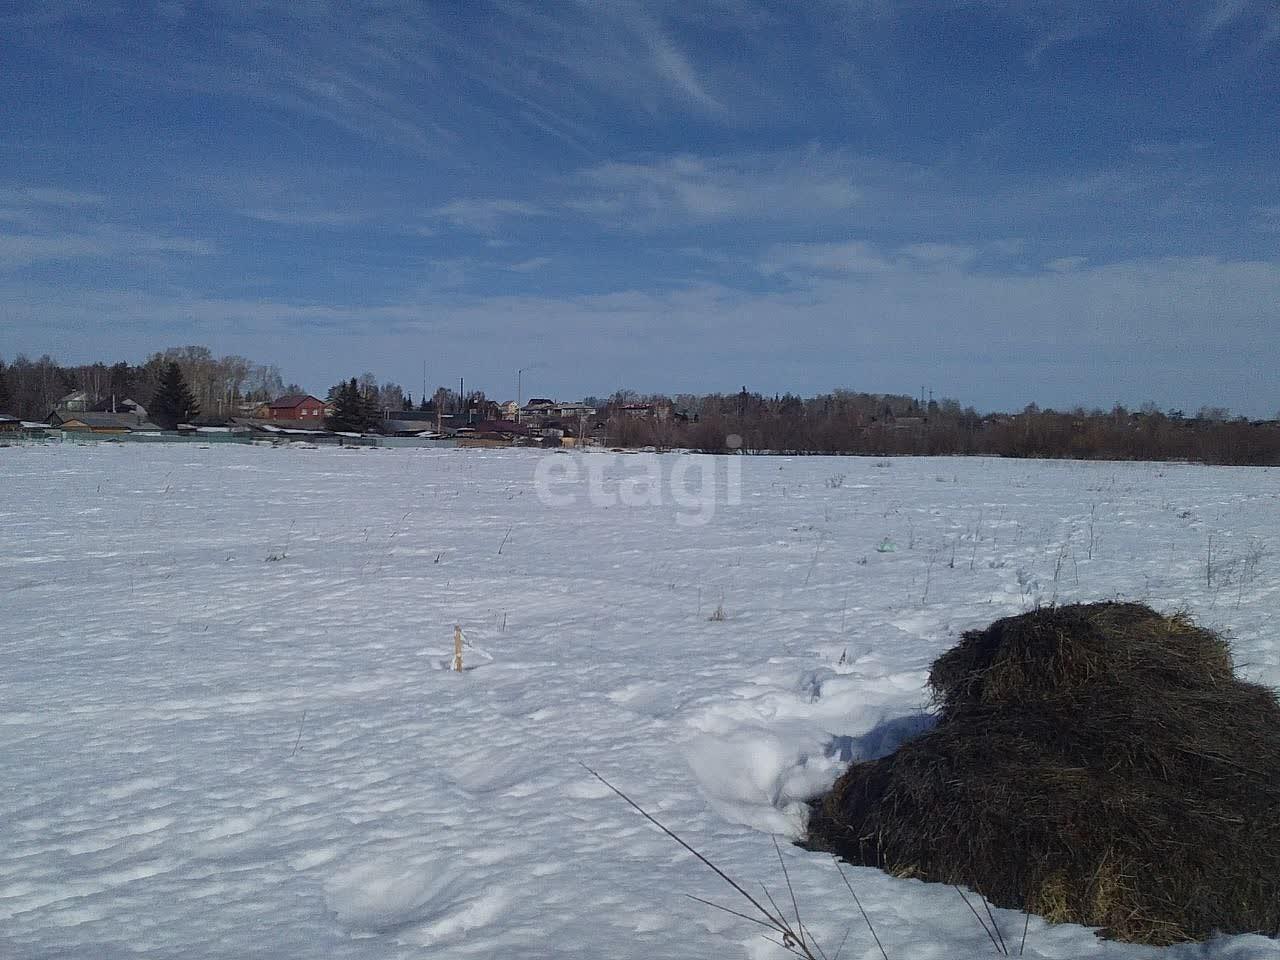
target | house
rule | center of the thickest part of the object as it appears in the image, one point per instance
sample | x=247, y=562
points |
x=78, y=402
x=501, y=430
x=120, y=406
x=101, y=423
x=206, y=423
x=12, y=427
x=660, y=410
x=496, y=433
x=409, y=428
x=546, y=412
x=300, y=407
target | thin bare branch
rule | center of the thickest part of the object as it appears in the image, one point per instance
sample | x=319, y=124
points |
x=731, y=911
x=978, y=917
x=790, y=889
x=777, y=921
x=1004, y=947
x=843, y=941
x=782, y=922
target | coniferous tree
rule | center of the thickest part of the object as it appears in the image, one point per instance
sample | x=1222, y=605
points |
x=353, y=411
x=6, y=398
x=342, y=420
x=173, y=402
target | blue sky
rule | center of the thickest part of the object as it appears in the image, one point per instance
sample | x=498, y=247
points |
x=1002, y=200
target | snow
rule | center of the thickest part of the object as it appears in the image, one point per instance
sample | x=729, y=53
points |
x=227, y=726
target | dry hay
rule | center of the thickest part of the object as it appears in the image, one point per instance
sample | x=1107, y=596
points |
x=1097, y=764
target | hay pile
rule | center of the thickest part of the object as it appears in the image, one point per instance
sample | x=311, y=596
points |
x=1096, y=764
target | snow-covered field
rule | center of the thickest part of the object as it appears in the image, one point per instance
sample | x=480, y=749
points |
x=226, y=729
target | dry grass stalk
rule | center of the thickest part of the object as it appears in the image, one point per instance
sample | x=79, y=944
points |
x=795, y=938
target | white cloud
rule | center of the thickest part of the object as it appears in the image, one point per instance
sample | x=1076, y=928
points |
x=802, y=260
x=1222, y=13
x=1268, y=218
x=98, y=243
x=684, y=189
x=297, y=217
x=1188, y=330
x=1261, y=16
x=824, y=258
x=941, y=254
x=1066, y=264
x=531, y=265
x=680, y=73
x=1166, y=148
x=50, y=197
x=485, y=216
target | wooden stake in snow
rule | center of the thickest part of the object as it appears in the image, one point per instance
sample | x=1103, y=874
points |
x=457, y=648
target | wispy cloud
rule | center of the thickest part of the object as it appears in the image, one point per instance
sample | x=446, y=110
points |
x=1222, y=13
x=302, y=217
x=940, y=254
x=1260, y=18
x=426, y=80
x=50, y=197
x=532, y=265
x=695, y=189
x=834, y=259
x=485, y=216
x=799, y=261
x=1066, y=264
x=1268, y=218
x=105, y=243
x=1168, y=148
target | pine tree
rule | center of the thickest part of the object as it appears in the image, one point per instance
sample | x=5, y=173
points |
x=173, y=402
x=340, y=420
x=351, y=410
x=6, y=398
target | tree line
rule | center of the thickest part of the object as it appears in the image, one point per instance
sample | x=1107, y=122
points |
x=847, y=422
x=219, y=385
x=181, y=382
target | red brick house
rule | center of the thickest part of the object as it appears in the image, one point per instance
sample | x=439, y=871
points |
x=295, y=406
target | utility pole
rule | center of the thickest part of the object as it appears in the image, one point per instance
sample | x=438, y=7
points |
x=520, y=385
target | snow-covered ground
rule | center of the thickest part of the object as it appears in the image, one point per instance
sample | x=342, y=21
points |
x=226, y=729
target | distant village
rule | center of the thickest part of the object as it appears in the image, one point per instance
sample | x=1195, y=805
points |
x=186, y=394
x=300, y=417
